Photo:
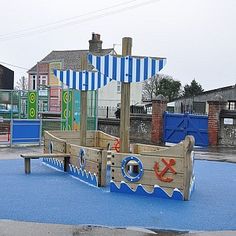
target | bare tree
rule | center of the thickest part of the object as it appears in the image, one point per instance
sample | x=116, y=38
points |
x=162, y=84
x=22, y=84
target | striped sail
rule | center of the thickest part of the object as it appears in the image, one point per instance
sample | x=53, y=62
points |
x=127, y=69
x=82, y=80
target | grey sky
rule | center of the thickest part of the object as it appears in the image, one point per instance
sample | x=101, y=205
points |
x=197, y=36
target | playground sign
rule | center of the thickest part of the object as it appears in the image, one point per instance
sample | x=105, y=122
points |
x=67, y=115
x=32, y=105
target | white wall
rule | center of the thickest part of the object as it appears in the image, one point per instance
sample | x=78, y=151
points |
x=109, y=96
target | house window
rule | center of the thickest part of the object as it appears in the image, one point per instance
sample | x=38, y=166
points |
x=33, y=84
x=232, y=105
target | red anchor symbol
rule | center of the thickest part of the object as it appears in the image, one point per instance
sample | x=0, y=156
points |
x=116, y=145
x=168, y=166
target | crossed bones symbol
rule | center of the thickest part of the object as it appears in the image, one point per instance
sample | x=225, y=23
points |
x=168, y=166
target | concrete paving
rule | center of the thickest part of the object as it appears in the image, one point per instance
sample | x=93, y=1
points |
x=13, y=228
x=8, y=227
x=224, y=154
x=12, y=153
x=227, y=154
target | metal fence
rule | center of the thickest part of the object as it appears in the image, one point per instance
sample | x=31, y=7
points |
x=114, y=112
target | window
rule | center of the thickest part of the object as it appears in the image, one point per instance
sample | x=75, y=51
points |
x=33, y=84
x=43, y=82
x=232, y=105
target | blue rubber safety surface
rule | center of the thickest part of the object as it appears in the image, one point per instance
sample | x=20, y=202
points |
x=51, y=196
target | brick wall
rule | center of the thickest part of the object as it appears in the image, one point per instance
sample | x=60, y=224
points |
x=214, y=121
x=158, y=109
x=43, y=68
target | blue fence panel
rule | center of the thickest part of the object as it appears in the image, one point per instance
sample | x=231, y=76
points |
x=26, y=131
x=177, y=126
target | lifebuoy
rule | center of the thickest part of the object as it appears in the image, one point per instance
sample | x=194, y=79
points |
x=129, y=174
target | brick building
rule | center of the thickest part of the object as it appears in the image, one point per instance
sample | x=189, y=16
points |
x=41, y=75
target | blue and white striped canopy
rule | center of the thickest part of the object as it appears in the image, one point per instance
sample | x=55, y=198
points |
x=127, y=69
x=82, y=80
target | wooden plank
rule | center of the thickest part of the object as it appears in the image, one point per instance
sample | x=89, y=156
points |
x=71, y=134
x=73, y=141
x=149, y=161
x=149, y=178
x=148, y=188
x=138, y=148
x=103, y=168
x=58, y=146
x=89, y=142
x=42, y=155
x=50, y=136
x=107, y=144
x=103, y=135
x=70, y=137
x=90, y=166
x=90, y=153
x=177, y=151
x=188, y=165
x=106, y=140
x=65, y=134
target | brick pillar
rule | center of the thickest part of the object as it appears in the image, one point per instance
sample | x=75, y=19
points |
x=159, y=105
x=215, y=107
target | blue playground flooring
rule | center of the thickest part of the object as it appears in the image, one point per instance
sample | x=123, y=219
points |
x=51, y=196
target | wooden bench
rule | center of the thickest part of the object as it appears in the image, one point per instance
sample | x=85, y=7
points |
x=27, y=157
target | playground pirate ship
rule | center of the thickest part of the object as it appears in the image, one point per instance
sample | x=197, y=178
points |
x=138, y=168
x=147, y=170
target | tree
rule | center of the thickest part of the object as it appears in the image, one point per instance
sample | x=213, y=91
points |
x=193, y=89
x=21, y=84
x=162, y=84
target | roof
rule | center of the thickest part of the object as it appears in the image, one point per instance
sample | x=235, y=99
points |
x=6, y=67
x=71, y=59
x=217, y=90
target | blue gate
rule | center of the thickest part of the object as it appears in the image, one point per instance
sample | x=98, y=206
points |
x=177, y=126
x=26, y=131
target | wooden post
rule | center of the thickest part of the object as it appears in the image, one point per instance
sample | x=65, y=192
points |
x=83, y=107
x=27, y=165
x=104, y=168
x=66, y=163
x=125, y=102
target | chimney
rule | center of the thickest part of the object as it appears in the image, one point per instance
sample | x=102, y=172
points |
x=95, y=44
